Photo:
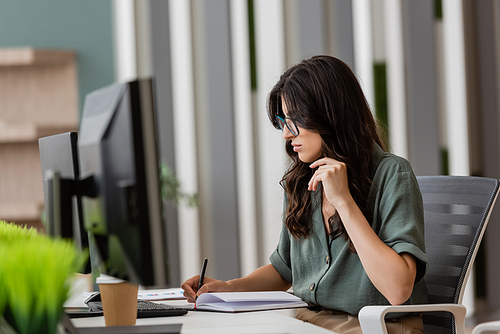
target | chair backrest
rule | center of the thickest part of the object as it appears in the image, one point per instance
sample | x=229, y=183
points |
x=457, y=210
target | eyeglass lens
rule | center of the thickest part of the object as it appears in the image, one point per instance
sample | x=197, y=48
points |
x=289, y=124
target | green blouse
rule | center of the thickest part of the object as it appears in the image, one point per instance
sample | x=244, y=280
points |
x=328, y=274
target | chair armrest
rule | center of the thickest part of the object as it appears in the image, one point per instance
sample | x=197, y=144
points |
x=486, y=327
x=372, y=321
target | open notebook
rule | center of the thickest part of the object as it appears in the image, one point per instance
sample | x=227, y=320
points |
x=247, y=301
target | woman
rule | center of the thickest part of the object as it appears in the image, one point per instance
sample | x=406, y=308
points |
x=353, y=232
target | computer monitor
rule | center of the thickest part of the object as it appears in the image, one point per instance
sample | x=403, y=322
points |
x=117, y=148
x=63, y=207
x=107, y=177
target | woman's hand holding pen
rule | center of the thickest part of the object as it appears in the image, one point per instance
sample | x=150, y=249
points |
x=265, y=278
x=191, y=291
x=333, y=176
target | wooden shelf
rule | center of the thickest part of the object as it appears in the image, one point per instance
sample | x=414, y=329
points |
x=38, y=98
x=30, y=57
x=29, y=132
x=20, y=211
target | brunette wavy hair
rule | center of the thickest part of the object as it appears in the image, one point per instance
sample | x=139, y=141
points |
x=323, y=95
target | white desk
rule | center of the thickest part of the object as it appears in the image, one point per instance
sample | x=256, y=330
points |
x=281, y=322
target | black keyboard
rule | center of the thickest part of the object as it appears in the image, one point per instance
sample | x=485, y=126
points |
x=146, y=309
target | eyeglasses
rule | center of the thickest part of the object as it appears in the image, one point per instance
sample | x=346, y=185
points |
x=289, y=123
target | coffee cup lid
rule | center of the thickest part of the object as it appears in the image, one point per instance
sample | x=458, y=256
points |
x=105, y=279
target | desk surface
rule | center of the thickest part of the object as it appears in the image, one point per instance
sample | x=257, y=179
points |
x=281, y=321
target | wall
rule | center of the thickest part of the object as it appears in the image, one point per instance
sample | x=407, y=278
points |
x=84, y=26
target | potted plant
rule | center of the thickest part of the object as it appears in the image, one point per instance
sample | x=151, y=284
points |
x=35, y=277
x=170, y=188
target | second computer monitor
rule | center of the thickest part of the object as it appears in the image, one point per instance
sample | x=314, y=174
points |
x=63, y=206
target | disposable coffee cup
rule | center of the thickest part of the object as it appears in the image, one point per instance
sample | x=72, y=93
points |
x=119, y=301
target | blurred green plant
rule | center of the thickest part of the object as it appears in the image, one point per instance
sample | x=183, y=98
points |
x=170, y=188
x=35, y=277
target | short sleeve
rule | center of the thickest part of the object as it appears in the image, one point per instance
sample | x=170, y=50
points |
x=280, y=258
x=402, y=217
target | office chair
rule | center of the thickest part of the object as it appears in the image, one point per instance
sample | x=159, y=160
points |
x=486, y=327
x=456, y=212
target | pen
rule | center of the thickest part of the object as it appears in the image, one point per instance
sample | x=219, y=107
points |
x=202, y=276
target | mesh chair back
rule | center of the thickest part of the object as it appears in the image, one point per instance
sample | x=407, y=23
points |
x=456, y=209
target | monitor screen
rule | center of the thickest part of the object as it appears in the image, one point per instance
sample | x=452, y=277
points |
x=59, y=156
x=117, y=148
